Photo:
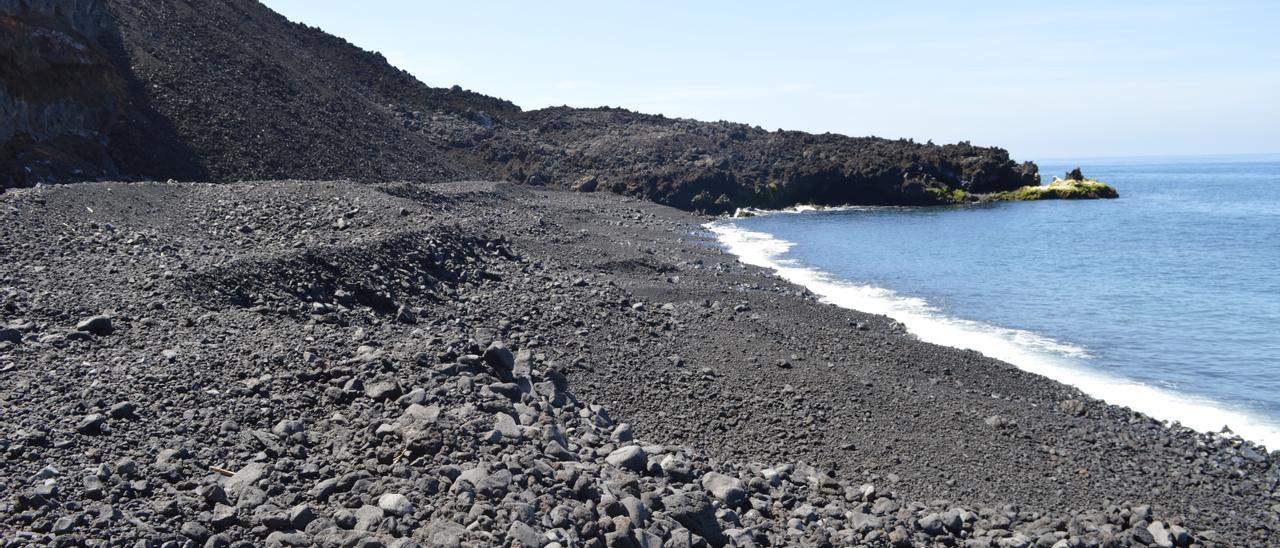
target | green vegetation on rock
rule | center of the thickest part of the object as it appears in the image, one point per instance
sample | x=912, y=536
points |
x=948, y=196
x=1074, y=187
x=1061, y=189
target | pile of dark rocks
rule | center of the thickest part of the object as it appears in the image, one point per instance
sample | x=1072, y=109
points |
x=490, y=448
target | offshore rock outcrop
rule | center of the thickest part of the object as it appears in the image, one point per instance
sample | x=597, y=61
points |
x=229, y=90
x=1061, y=189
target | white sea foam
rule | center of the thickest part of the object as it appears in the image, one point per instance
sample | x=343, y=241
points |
x=1029, y=351
x=798, y=208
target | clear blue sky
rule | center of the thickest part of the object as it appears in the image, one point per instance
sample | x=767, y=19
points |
x=1060, y=80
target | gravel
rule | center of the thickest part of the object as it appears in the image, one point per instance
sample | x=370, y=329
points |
x=341, y=425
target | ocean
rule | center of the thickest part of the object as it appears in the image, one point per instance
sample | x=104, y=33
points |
x=1166, y=300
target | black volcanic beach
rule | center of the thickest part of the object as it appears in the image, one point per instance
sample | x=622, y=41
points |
x=335, y=340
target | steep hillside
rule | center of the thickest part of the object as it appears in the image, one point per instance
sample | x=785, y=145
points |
x=225, y=90
x=255, y=96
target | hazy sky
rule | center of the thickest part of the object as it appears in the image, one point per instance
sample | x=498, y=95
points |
x=1065, y=80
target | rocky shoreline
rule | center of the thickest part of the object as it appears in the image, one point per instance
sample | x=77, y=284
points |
x=476, y=364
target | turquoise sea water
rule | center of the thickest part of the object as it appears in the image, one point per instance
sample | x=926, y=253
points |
x=1166, y=300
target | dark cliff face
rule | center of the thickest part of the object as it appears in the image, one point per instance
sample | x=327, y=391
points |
x=59, y=94
x=224, y=90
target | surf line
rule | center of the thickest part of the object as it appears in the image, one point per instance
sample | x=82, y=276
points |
x=1028, y=351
